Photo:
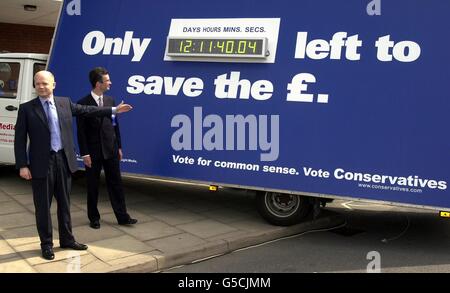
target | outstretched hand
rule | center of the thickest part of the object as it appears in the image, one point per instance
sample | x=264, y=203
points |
x=122, y=108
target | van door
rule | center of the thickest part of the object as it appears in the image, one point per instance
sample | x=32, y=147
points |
x=10, y=91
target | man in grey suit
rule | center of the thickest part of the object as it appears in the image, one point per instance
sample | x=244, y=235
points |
x=47, y=122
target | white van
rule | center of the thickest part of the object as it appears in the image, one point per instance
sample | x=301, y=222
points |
x=16, y=87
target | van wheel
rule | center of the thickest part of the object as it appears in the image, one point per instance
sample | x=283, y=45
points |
x=282, y=209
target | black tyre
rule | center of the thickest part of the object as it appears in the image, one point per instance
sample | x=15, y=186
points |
x=282, y=209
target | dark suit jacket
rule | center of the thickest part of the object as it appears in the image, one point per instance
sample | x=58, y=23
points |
x=97, y=136
x=32, y=122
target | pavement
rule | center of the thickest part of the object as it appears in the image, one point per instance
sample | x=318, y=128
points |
x=178, y=224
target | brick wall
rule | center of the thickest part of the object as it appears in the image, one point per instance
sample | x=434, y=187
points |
x=25, y=38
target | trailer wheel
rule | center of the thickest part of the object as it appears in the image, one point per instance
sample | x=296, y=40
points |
x=282, y=209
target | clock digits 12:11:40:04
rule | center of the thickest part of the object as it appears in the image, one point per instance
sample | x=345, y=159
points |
x=216, y=46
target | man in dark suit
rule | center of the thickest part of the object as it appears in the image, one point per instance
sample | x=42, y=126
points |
x=47, y=122
x=101, y=147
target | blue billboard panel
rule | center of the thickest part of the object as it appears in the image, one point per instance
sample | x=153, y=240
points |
x=344, y=98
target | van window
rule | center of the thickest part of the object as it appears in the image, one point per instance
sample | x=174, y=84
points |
x=36, y=68
x=9, y=79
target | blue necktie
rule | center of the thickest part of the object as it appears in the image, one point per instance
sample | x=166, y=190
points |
x=55, y=134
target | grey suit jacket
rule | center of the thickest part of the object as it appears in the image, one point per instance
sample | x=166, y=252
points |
x=32, y=123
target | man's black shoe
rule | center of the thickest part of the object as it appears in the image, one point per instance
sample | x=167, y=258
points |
x=95, y=224
x=130, y=221
x=75, y=246
x=48, y=254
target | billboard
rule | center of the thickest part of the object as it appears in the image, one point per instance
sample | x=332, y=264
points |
x=344, y=98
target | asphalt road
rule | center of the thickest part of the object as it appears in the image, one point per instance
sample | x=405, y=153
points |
x=376, y=238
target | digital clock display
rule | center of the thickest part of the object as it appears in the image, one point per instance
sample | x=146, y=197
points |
x=217, y=47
